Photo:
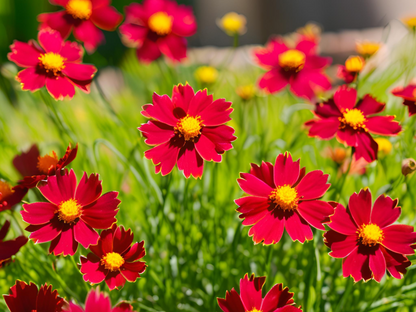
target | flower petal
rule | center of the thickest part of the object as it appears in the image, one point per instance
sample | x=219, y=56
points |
x=369, y=105
x=273, y=81
x=250, y=292
x=324, y=129
x=206, y=149
x=341, y=245
x=276, y=298
x=89, y=34
x=135, y=252
x=383, y=125
x=148, y=51
x=252, y=185
x=174, y=47
x=313, y=185
x=50, y=40
x=81, y=72
x=133, y=35
x=165, y=155
x=58, y=21
x=264, y=172
x=286, y=171
x=298, y=228
x=92, y=269
x=217, y=113
x=106, y=17
x=97, y=301
x=38, y=213
x=396, y=263
x=60, y=87
x=115, y=280
x=24, y=54
x=345, y=97
x=357, y=265
x=399, y=238
x=342, y=221
x=161, y=110
x=269, y=229
x=190, y=161
x=64, y=244
x=30, y=79
x=184, y=22
x=221, y=136
x=378, y=265
x=72, y=51
x=156, y=132
x=85, y=235
x=252, y=209
x=101, y=213
x=231, y=303
x=359, y=206
x=88, y=189
x=59, y=188
x=366, y=147
x=197, y=103
x=308, y=82
x=315, y=212
x=385, y=211
x=269, y=56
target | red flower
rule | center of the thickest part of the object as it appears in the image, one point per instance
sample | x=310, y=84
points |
x=99, y=301
x=300, y=67
x=353, y=66
x=27, y=298
x=278, y=299
x=368, y=240
x=408, y=94
x=85, y=17
x=282, y=196
x=157, y=27
x=11, y=247
x=35, y=168
x=10, y=196
x=72, y=213
x=187, y=129
x=352, y=122
x=55, y=63
x=113, y=259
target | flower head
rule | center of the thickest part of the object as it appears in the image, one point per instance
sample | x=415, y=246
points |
x=246, y=92
x=54, y=63
x=206, y=74
x=352, y=122
x=367, y=239
x=158, y=27
x=384, y=145
x=410, y=22
x=84, y=18
x=114, y=259
x=282, y=196
x=300, y=67
x=186, y=130
x=11, y=247
x=233, y=23
x=10, y=195
x=250, y=299
x=72, y=212
x=353, y=66
x=408, y=94
x=367, y=48
x=408, y=166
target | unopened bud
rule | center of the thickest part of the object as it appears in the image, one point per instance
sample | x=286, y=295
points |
x=408, y=166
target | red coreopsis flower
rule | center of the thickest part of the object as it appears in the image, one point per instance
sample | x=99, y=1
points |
x=11, y=247
x=278, y=299
x=54, y=63
x=352, y=122
x=368, y=240
x=35, y=168
x=408, y=94
x=186, y=130
x=71, y=214
x=158, y=27
x=282, y=196
x=27, y=298
x=10, y=195
x=85, y=17
x=301, y=68
x=353, y=66
x=114, y=259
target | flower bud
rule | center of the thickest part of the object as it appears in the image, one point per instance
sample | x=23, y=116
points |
x=408, y=166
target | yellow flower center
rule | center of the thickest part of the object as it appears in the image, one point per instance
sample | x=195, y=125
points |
x=233, y=22
x=80, y=9
x=292, y=60
x=255, y=310
x=353, y=118
x=52, y=62
x=112, y=261
x=160, y=23
x=5, y=189
x=46, y=162
x=206, y=74
x=189, y=127
x=285, y=197
x=370, y=234
x=367, y=48
x=410, y=22
x=354, y=64
x=69, y=210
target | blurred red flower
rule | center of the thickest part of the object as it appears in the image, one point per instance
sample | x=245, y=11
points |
x=10, y=195
x=11, y=247
x=368, y=240
x=408, y=94
x=114, y=259
x=55, y=63
x=158, y=27
x=353, y=66
x=71, y=214
x=282, y=196
x=85, y=17
x=187, y=129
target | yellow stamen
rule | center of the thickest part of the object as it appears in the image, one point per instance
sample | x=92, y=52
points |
x=255, y=310
x=189, y=127
x=112, y=261
x=160, y=23
x=80, y=9
x=206, y=74
x=354, y=64
x=285, y=197
x=52, y=62
x=354, y=118
x=292, y=60
x=367, y=48
x=5, y=190
x=46, y=162
x=233, y=23
x=370, y=234
x=69, y=210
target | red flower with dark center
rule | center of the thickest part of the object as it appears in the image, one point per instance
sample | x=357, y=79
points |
x=301, y=68
x=282, y=196
x=158, y=27
x=85, y=17
x=35, y=168
x=368, y=240
x=55, y=63
x=27, y=298
x=408, y=94
x=250, y=299
x=72, y=213
x=353, y=66
x=114, y=259
x=352, y=122
x=10, y=195
x=187, y=129
x=11, y=247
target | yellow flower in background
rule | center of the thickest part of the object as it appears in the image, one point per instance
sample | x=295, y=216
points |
x=410, y=22
x=206, y=74
x=311, y=31
x=384, y=145
x=367, y=48
x=354, y=64
x=246, y=92
x=233, y=23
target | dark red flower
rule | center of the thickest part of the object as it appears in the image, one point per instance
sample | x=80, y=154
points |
x=250, y=299
x=186, y=130
x=85, y=17
x=158, y=27
x=352, y=122
x=27, y=298
x=35, y=168
x=10, y=195
x=368, y=240
x=301, y=68
x=408, y=94
x=282, y=196
x=71, y=214
x=353, y=66
x=114, y=259
x=55, y=63
x=11, y=247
